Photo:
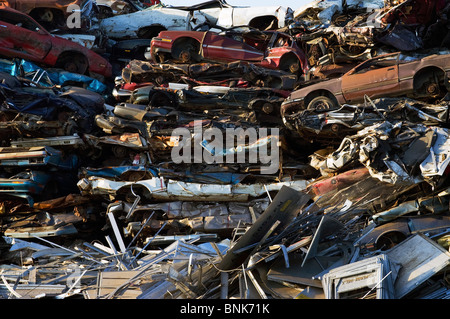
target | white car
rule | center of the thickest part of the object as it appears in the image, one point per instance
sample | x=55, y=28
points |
x=147, y=23
x=109, y=8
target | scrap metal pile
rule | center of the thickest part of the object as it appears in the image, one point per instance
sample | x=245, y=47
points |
x=217, y=152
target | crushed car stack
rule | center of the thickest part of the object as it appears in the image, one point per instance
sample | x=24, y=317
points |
x=216, y=152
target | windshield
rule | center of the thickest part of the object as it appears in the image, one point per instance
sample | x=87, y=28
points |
x=194, y=3
x=19, y=20
x=137, y=4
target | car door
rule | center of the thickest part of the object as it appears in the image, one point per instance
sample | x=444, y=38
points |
x=223, y=48
x=375, y=78
x=22, y=37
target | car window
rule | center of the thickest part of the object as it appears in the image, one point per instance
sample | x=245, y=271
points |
x=18, y=20
x=257, y=40
x=378, y=63
x=406, y=59
x=283, y=41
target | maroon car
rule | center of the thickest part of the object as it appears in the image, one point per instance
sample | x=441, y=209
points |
x=22, y=37
x=53, y=13
x=269, y=49
x=388, y=75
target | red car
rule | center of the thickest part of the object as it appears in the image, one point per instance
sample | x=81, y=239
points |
x=269, y=49
x=389, y=75
x=22, y=37
x=53, y=14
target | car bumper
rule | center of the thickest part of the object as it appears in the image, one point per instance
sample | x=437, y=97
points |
x=289, y=105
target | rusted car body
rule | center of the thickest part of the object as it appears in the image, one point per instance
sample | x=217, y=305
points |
x=388, y=75
x=22, y=37
x=269, y=49
x=52, y=13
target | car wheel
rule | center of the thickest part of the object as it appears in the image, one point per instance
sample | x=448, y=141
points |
x=431, y=89
x=48, y=18
x=429, y=84
x=322, y=103
x=46, y=15
x=74, y=63
x=291, y=65
x=119, y=151
x=263, y=106
x=137, y=176
x=186, y=52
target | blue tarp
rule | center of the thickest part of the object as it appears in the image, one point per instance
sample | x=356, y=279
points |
x=50, y=77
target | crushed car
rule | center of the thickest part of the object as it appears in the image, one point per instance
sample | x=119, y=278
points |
x=149, y=22
x=22, y=37
x=53, y=14
x=232, y=74
x=200, y=173
x=268, y=49
x=388, y=75
x=110, y=8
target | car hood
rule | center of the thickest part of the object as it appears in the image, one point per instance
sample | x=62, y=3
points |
x=127, y=25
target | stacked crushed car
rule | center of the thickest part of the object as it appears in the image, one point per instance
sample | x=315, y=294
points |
x=217, y=152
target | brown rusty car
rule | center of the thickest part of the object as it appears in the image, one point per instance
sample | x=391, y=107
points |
x=388, y=75
x=52, y=13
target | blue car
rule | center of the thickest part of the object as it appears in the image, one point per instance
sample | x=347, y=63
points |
x=37, y=157
x=25, y=185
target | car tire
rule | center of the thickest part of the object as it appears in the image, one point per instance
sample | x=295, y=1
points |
x=48, y=18
x=322, y=103
x=186, y=52
x=46, y=15
x=290, y=64
x=432, y=89
x=74, y=63
x=429, y=84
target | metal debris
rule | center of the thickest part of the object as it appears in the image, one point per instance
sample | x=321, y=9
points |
x=312, y=169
